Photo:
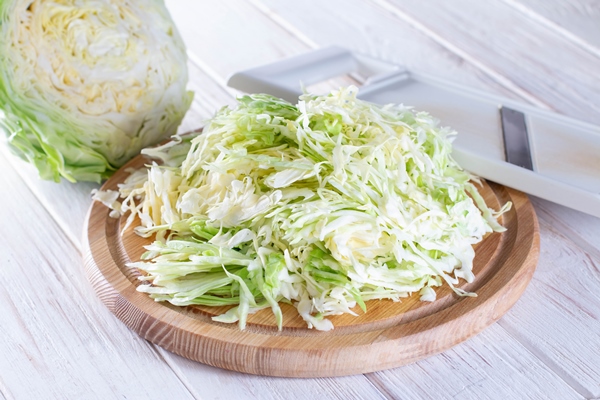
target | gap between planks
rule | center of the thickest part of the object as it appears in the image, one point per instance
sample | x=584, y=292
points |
x=211, y=73
x=553, y=366
x=12, y=161
x=168, y=358
x=540, y=19
x=283, y=23
x=493, y=74
x=4, y=395
x=375, y=380
x=565, y=230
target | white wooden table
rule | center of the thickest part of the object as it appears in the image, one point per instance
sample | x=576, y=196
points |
x=57, y=341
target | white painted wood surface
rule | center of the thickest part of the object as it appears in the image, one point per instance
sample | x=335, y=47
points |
x=57, y=340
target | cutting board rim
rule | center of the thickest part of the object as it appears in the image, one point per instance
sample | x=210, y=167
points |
x=314, y=354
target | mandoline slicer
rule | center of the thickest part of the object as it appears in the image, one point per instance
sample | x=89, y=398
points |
x=532, y=150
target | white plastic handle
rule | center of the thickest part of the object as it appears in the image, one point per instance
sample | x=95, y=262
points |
x=284, y=78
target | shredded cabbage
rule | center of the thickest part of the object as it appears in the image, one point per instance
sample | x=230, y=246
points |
x=324, y=205
x=86, y=84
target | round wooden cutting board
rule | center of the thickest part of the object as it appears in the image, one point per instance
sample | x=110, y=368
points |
x=388, y=335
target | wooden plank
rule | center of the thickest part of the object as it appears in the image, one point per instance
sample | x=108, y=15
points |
x=4, y=393
x=66, y=202
x=576, y=20
x=558, y=318
x=580, y=228
x=209, y=96
x=223, y=37
x=535, y=59
x=57, y=340
x=216, y=383
x=488, y=366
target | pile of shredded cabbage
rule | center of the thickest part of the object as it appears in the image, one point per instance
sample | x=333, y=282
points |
x=323, y=205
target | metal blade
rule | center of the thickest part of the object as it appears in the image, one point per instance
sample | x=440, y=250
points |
x=516, y=140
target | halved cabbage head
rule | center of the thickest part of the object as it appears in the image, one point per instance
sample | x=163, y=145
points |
x=86, y=84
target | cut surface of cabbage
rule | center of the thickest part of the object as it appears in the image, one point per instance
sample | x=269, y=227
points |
x=323, y=205
x=86, y=84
